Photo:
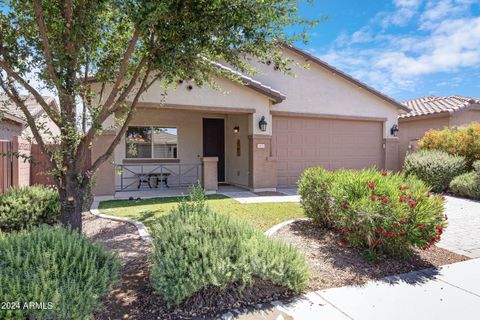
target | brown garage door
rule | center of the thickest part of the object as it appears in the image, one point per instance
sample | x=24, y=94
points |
x=300, y=143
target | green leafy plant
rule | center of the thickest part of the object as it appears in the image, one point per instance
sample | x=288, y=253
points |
x=434, y=167
x=55, y=266
x=384, y=212
x=195, y=248
x=462, y=141
x=467, y=184
x=26, y=207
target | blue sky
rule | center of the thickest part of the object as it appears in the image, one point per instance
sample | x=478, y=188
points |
x=405, y=48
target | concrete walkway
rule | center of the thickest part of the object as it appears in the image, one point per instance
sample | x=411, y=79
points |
x=245, y=196
x=462, y=235
x=450, y=292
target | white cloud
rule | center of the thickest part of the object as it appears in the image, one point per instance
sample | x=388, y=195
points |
x=393, y=62
x=435, y=10
x=405, y=10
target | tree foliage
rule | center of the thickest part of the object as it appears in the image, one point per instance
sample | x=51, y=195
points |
x=126, y=46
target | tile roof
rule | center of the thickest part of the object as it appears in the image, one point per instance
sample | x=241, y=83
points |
x=9, y=108
x=275, y=95
x=434, y=105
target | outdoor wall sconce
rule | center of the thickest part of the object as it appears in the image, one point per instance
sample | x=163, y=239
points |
x=236, y=129
x=394, y=130
x=262, y=124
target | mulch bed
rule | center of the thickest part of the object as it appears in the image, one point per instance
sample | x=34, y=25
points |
x=336, y=265
x=134, y=298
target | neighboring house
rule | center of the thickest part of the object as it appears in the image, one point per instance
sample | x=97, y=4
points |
x=264, y=132
x=16, y=137
x=8, y=109
x=434, y=113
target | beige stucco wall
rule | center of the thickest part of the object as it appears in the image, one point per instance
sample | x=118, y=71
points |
x=318, y=91
x=464, y=117
x=230, y=95
x=237, y=170
x=414, y=129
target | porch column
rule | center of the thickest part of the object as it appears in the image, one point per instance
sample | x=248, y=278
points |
x=210, y=174
x=391, y=154
x=21, y=165
x=105, y=175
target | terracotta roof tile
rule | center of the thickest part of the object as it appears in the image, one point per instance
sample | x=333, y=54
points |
x=433, y=105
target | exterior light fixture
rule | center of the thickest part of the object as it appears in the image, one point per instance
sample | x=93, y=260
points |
x=262, y=124
x=236, y=129
x=394, y=130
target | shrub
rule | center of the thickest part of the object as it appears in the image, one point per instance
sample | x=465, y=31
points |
x=26, y=207
x=54, y=265
x=436, y=168
x=195, y=248
x=468, y=184
x=463, y=141
x=386, y=213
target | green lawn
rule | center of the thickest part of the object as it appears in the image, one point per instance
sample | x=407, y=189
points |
x=260, y=215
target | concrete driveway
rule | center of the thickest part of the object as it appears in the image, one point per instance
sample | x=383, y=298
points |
x=462, y=235
x=449, y=292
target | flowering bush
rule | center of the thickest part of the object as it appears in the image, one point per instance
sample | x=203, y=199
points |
x=462, y=141
x=384, y=212
x=434, y=167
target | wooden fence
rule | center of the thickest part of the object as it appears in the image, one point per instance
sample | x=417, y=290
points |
x=39, y=173
x=14, y=163
x=6, y=166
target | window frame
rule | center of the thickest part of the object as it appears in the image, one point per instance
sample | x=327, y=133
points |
x=151, y=143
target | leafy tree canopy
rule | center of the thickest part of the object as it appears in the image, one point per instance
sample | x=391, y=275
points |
x=127, y=44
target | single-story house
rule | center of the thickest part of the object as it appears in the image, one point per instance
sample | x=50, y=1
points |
x=16, y=136
x=9, y=111
x=433, y=112
x=259, y=134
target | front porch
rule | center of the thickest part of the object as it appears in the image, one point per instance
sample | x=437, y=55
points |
x=166, y=150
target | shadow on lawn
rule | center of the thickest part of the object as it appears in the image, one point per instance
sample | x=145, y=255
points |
x=328, y=256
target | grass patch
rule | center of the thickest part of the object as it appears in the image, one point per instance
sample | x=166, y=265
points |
x=260, y=215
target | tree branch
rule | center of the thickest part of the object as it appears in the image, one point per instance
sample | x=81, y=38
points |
x=103, y=115
x=122, y=71
x=45, y=43
x=123, y=129
x=53, y=114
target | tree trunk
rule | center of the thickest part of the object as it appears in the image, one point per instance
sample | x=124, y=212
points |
x=72, y=199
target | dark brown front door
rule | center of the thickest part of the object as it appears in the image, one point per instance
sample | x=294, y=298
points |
x=214, y=143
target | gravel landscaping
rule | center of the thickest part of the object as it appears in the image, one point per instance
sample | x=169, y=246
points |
x=134, y=298
x=336, y=265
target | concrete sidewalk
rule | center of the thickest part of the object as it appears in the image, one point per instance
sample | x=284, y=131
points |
x=450, y=292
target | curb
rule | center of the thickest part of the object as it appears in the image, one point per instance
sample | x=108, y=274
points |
x=142, y=230
x=270, y=232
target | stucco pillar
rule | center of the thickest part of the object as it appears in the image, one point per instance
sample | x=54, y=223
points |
x=210, y=174
x=105, y=176
x=21, y=164
x=392, y=154
x=263, y=167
